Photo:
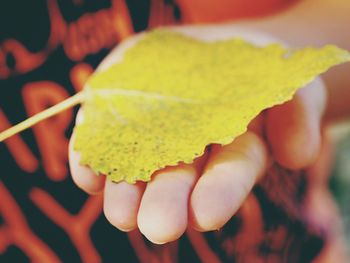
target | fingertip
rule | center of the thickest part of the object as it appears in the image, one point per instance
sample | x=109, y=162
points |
x=161, y=228
x=83, y=176
x=227, y=180
x=160, y=232
x=293, y=132
x=208, y=212
x=121, y=204
x=163, y=214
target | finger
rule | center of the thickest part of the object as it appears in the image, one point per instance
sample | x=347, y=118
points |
x=83, y=176
x=121, y=203
x=228, y=177
x=293, y=129
x=163, y=211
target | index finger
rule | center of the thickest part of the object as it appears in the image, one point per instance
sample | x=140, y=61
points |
x=83, y=176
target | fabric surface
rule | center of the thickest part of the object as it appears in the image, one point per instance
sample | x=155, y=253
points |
x=47, y=51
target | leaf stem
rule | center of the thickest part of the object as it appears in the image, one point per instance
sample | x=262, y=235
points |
x=64, y=105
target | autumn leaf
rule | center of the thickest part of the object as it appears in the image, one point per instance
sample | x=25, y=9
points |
x=172, y=95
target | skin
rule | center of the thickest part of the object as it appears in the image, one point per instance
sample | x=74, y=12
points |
x=228, y=173
x=178, y=197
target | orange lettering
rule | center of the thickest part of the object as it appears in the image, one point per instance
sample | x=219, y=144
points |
x=24, y=158
x=79, y=74
x=58, y=25
x=76, y=226
x=15, y=231
x=152, y=253
x=104, y=30
x=25, y=60
x=50, y=134
x=4, y=70
x=89, y=34
x=201, y=247
x=160, y=14
x=121, y=19
x=71, y=44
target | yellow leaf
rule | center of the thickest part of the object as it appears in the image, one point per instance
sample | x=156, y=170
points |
x=173, y=95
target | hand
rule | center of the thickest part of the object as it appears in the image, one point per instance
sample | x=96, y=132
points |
x=206, y=194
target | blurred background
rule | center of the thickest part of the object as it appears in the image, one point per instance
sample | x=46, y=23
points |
x=340, y=179
x=48, y=49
